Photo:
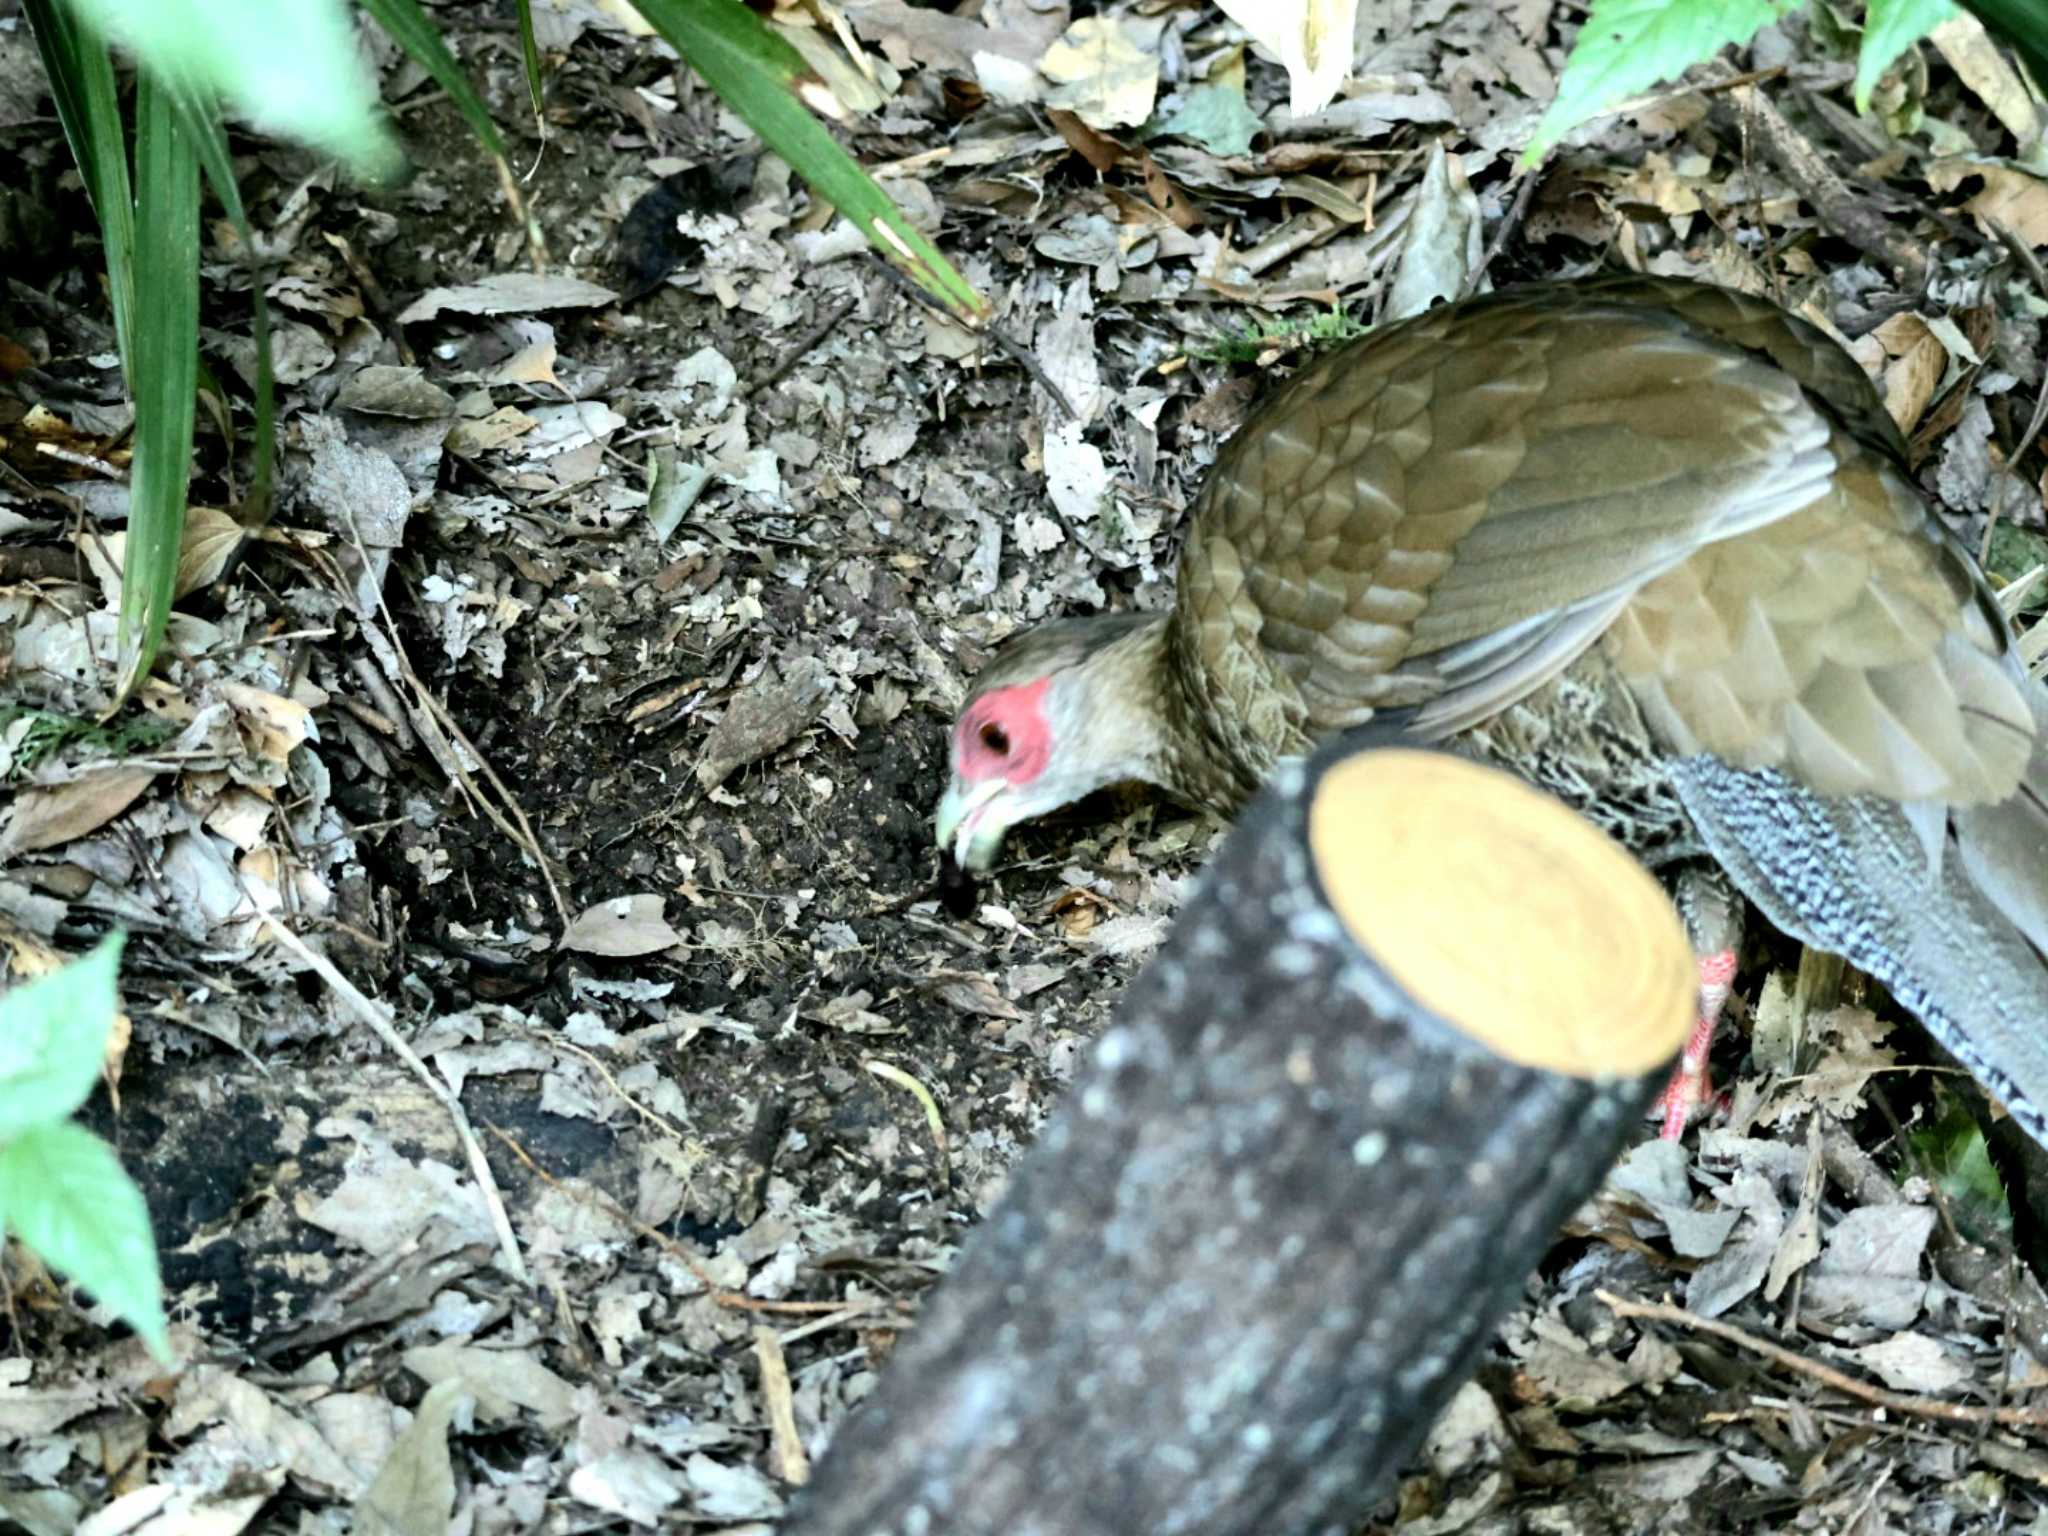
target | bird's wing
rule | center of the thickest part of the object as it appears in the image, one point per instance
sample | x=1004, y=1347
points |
x=1436, y=521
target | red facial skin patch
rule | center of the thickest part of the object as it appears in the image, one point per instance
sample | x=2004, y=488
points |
x=1004, y=735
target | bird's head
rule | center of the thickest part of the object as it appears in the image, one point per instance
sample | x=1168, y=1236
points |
x=1062, y=711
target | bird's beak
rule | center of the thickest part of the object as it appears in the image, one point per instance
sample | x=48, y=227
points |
x=971, y=823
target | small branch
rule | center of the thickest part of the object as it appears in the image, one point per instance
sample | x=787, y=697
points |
x=1827, y=1375
x=372, y=1015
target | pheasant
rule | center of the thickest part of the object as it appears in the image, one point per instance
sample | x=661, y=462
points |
x=1650, y=544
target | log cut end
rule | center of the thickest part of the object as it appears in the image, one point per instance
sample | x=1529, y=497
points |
x=1504, y=914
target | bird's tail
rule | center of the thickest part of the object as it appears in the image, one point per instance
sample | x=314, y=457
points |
x=1956, y=933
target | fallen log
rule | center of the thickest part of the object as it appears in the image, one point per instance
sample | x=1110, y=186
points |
x=1398, y=1034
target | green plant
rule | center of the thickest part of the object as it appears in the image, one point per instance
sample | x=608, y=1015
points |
x=63, y=1193
x=288, y=66
x=1324, y=328
x=48, y=733
x=1627, y=46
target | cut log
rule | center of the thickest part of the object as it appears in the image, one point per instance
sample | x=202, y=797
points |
x=1398, y=1034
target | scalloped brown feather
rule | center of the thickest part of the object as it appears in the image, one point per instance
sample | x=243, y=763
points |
x=1434, y=524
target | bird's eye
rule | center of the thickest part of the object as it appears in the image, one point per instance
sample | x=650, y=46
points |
x=995, y=738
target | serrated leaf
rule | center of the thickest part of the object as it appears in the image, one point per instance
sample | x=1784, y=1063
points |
x=65, y=1195
x=1890, y=27
x=1628, y=46
x=53, y=1039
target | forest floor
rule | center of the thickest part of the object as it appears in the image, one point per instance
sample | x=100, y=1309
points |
x=617, y=803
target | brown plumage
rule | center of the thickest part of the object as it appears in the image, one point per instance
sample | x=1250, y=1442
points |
x=1600, y=529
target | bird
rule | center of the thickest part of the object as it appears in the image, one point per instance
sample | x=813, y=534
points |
x=1650, y=543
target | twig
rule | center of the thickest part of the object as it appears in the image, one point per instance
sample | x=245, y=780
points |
x=788, y=1457
x=371, y=1014
x=1827, y=1375
x=803, y=345
x=1505, y=230
x=86, y=461
x=735, y=1300
x=1839, y=205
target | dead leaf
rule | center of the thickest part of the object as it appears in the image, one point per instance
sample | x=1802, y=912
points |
x=271, y=724
x=508, y=293
x=1918, y=361
x=2010, y=196
x=622, y=927
x=47, y=816
x=414, y=1492
x=1103, y=72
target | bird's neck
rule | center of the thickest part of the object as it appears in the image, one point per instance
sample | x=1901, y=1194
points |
x=1149, y=727
x=1124, y=728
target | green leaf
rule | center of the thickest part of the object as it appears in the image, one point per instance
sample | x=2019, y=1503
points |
x=1215, y=117
x=1952, y=1149
x=201, y=118
x=529, y=57
x=290, y=66
x=164, y=372
x=767, y=83
x=1627, y=46
x=65, y=1195
x=2023, y=26
x=410, y=29
x=81, y=79
x=53, y=1039
x=1890, y=27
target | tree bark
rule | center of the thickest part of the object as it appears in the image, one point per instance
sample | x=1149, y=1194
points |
x=1262, y=1239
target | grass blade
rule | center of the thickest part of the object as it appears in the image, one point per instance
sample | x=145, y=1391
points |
x=410, y=29
x=163, y=371
x=767, y=83
x=201, y=117
x=529, y=53
x=81, y=75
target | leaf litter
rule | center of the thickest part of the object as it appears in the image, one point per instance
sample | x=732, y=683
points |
x=584, y=704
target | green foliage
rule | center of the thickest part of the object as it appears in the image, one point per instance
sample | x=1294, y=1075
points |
x=292, y=69
x=48, y=733
x=1628, y=46
x=766, y=81
x=163, y=371
x=408, y=27
x=1952, y=1151
x=1255, y=337
x=63, y=1193
x=1890, y=27
x=2014, y=552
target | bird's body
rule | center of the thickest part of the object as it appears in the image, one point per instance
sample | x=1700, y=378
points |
x=1594, y=532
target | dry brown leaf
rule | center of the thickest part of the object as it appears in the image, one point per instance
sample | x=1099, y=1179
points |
x=1918, y=360
x=2010, y=196
x=1102, y=74
x=622, y=927
x=271, y=724
x=47, y=816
